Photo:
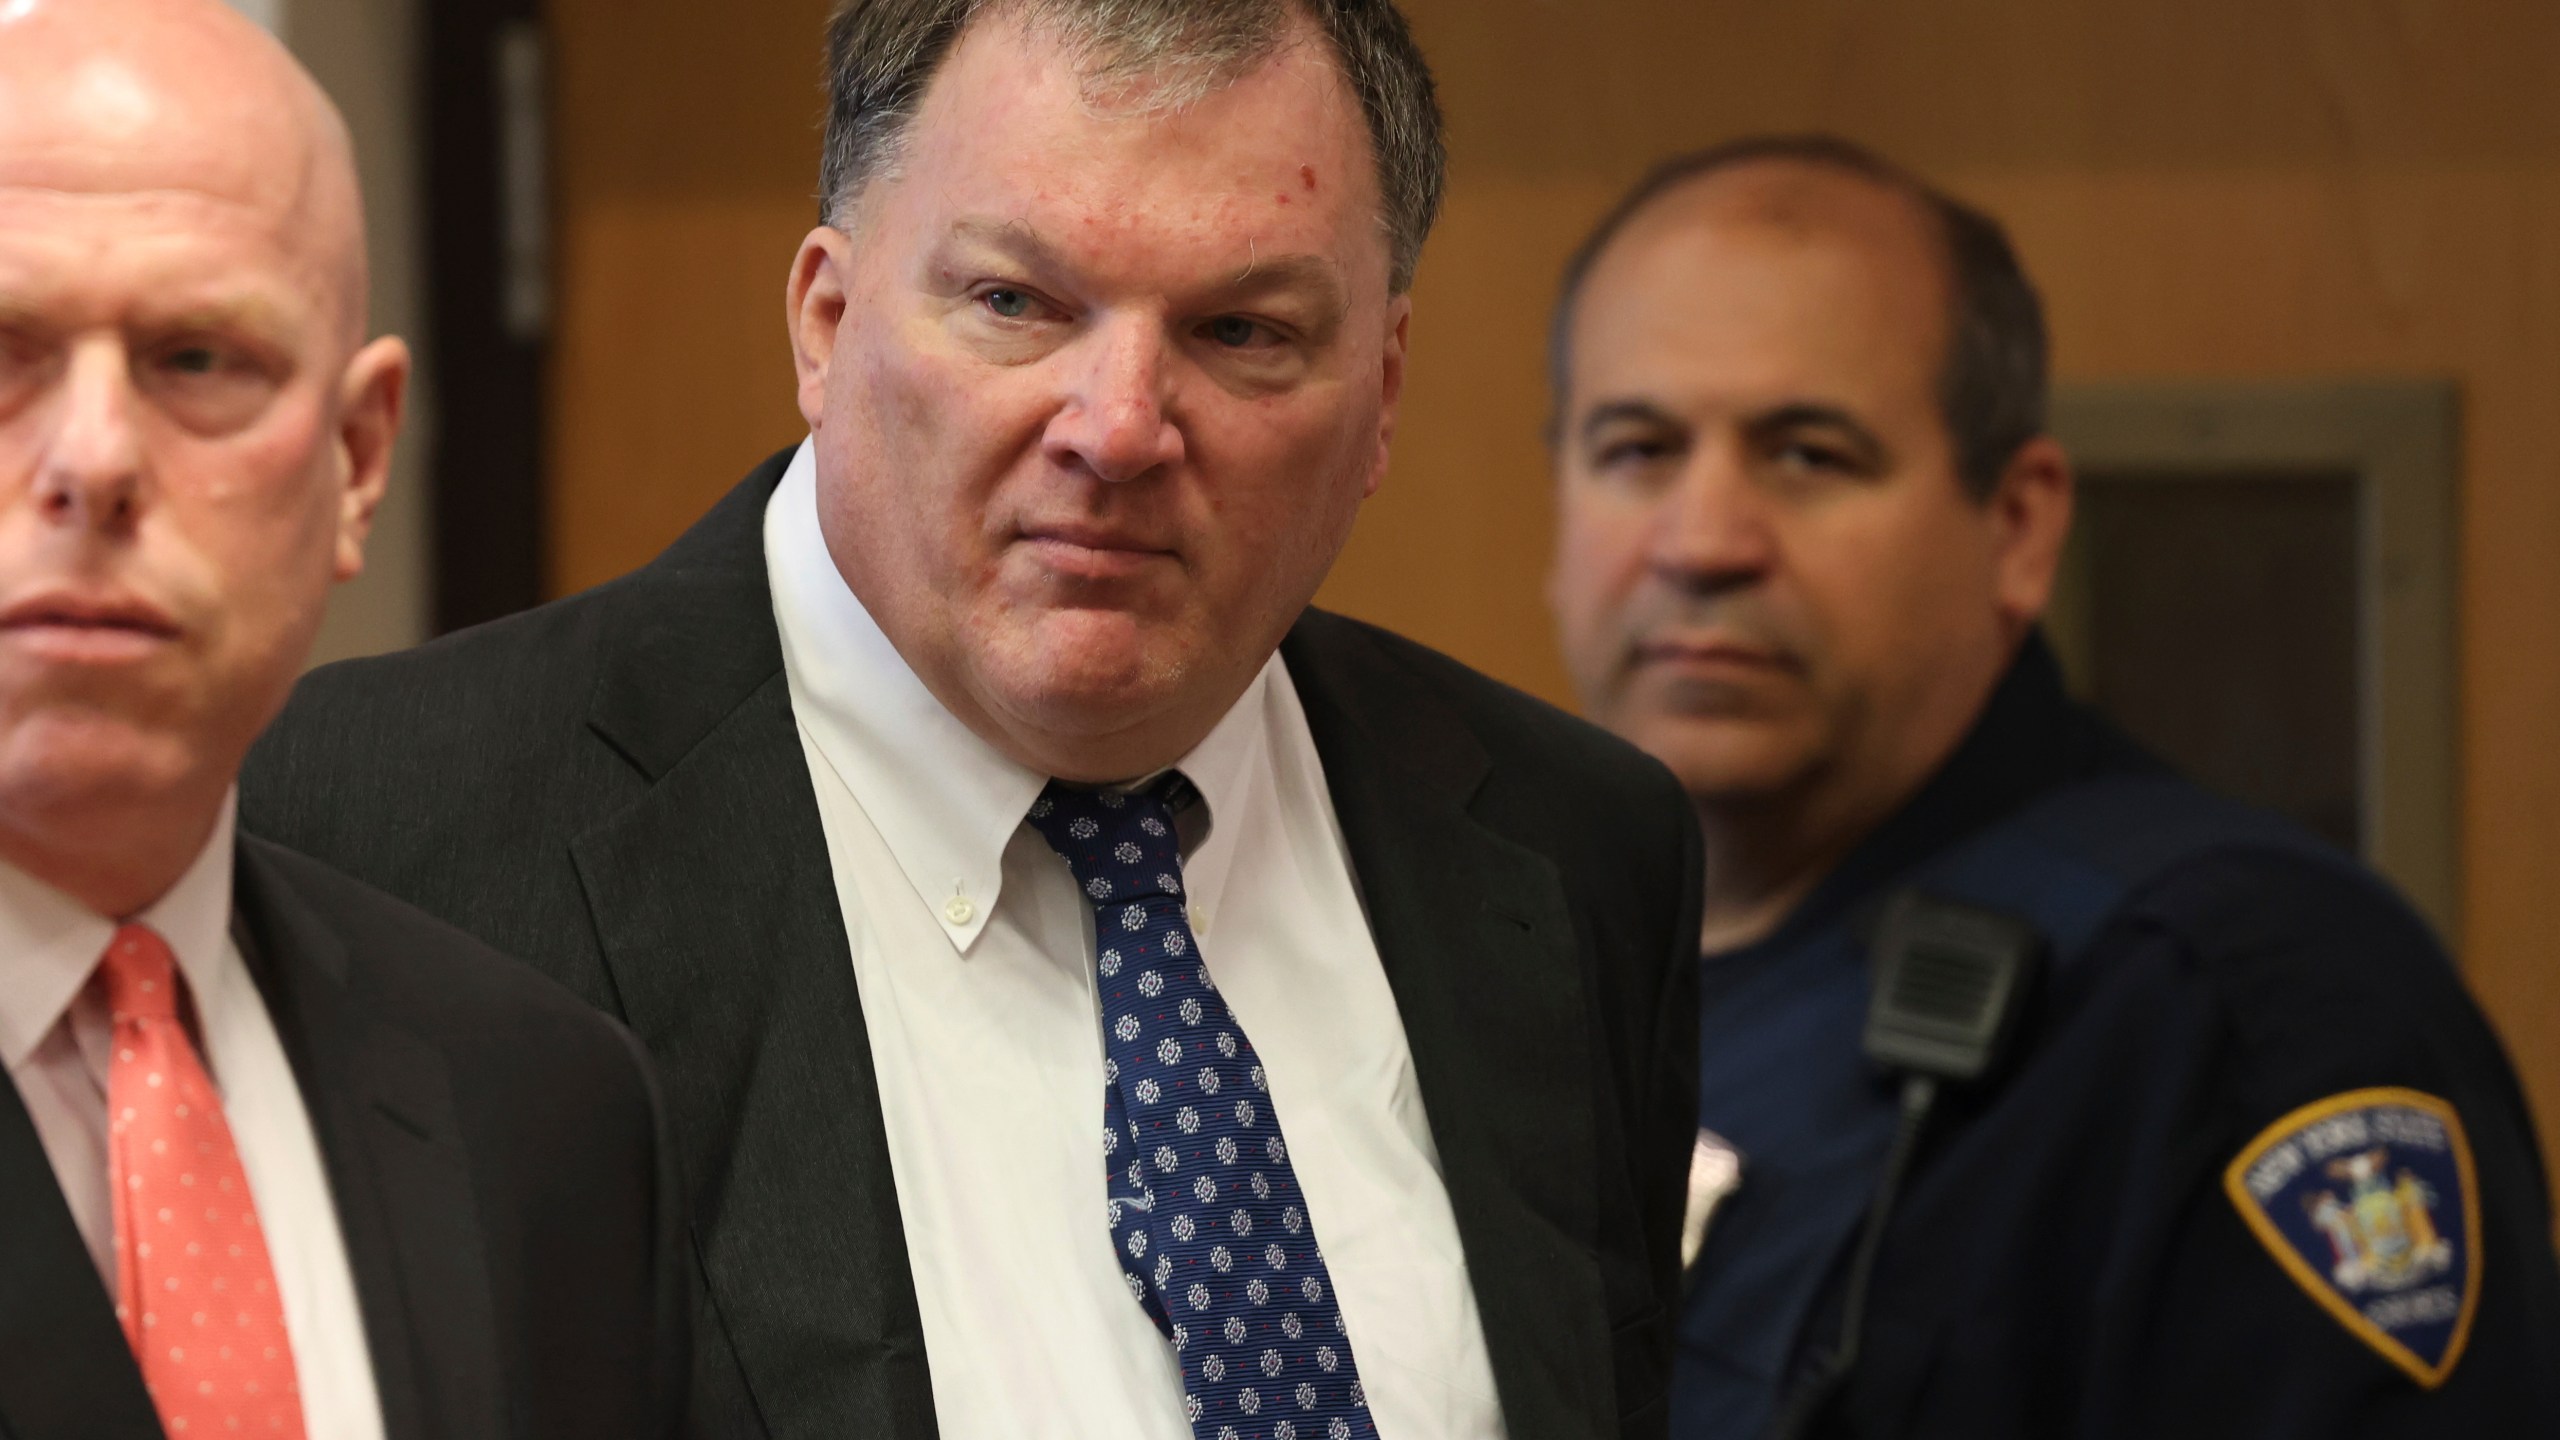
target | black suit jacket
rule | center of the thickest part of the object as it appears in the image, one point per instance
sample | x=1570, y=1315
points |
x=496, y=1158
x=614, y=786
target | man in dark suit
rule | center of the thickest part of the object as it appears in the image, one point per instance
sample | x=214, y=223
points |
x=279, y=1155
x=1047, y=926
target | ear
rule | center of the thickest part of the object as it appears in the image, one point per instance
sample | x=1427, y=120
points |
x=821, y=280
x=1391, y=380
x=371, y=400
x=2031, y=513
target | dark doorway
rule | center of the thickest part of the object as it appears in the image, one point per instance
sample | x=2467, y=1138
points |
x=486, y=261
x=2219, y=616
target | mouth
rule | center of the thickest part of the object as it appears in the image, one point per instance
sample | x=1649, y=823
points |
x=1710, y=654
x=88, y=629
x=1092, y=552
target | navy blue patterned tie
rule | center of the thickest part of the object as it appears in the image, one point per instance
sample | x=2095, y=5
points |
x=1205, y=1212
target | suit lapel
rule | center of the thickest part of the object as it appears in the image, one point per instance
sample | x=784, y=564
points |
x=381, y=1105
x=65, y=1370
x=1479, y=947
x=715, y=905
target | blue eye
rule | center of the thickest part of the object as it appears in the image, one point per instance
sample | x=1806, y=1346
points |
x=1233, y=331
x=1011, y=304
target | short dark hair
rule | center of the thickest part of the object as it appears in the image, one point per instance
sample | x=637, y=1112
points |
x=1992, y=383
x=882, y=55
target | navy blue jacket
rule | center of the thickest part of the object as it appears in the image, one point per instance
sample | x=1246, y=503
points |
x=2071, y=1257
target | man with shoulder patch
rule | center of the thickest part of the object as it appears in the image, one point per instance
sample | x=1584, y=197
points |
x=2043, y=1094
x=279, y=1155
x=1099, y=995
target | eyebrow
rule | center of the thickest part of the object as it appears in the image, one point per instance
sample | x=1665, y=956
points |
x=1012, y=237
x=1314, y=274
x=1642, y=412
x=1778, y=419
x=258, y=315
x=1801, y=414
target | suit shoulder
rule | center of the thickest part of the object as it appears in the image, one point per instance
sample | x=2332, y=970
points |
x=368, y=752
x=1521, y=733
x=430, y=969
x=2294, y=915
x=523, y=654
x=2321, y=979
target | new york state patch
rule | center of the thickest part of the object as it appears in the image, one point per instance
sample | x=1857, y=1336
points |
x=2367, y=1200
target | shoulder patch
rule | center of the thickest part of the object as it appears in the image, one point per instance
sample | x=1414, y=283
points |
x=2367, y=1200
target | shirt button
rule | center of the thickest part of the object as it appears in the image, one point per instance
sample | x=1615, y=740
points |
x=958, y=910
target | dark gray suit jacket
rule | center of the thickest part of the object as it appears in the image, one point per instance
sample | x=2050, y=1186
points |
x=613, y=786
x=495, y=1155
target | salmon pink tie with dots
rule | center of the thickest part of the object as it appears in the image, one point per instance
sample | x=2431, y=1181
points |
x=194, y=1287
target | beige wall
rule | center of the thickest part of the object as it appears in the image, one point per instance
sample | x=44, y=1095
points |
x=2205, y=187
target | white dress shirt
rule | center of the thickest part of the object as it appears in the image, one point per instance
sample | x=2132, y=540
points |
x=973, y=950
x=55, y=1034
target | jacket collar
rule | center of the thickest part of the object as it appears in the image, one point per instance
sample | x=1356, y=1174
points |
x=2029, y=737
x=380, y=1099
x=65, y=1368
x=703, y=641
x=714, y=905
x=1484, y=955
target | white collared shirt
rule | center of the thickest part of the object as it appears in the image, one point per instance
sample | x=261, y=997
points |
x=973, y=950
x=55, y=1034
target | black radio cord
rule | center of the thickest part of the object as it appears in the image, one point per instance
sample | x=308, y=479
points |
x=1821, y=1384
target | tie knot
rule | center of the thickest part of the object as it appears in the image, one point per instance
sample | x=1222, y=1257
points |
x=141, y=975
x=1120, y=844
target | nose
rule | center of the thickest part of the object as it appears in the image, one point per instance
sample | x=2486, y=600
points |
x=89, y=473
x=1711, y=528
x=1114, y=422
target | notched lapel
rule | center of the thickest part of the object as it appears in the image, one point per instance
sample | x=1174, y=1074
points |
x=716, y=906
x=1480, y=948
x=65, y=1370
x=380, y=1099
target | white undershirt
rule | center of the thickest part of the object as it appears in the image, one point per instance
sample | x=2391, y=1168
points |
x=973, y=951
x=55, y=1034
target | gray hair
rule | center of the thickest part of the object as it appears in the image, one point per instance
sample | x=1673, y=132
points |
x=1992, y=383
x=883, y=54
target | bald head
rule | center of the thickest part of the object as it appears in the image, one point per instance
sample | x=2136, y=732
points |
x=189, y=100
x=1793, y=205
x=1990, y=333
x=194, y=432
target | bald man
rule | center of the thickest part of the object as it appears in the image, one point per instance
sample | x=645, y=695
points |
x=278, y=1155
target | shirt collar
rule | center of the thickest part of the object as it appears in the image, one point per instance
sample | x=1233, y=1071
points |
x=1223, y=768
x=2029, y=737
x=50, y=943
x=944, y=801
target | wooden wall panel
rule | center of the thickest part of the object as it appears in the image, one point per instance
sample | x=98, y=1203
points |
x=687, y=170
x=672, y=376
x=2242, y=188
